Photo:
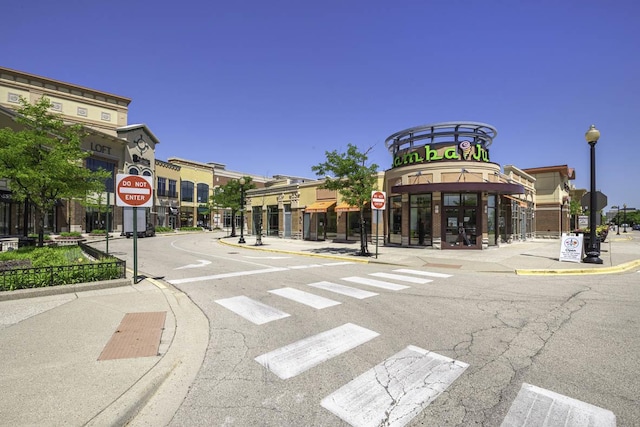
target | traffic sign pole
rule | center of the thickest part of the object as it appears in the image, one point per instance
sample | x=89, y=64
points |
x=134, y=191
x=135, y=245
x=378, y=203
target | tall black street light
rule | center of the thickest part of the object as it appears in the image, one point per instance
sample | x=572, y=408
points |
x=242, y=181
x=617, y=218
x=593, y=251
x=624, y=221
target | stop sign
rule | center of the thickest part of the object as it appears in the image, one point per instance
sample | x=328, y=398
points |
x=378, y=199
x=601, y=200
x=134, y=191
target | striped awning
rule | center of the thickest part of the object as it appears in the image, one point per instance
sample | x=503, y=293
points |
x=345, y=207
x=320, y=206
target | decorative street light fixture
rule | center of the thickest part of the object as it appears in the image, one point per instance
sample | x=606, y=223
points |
x=624, y=221
x=593, y=251
x=242, y=181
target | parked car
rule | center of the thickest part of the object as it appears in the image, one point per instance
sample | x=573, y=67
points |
x=149, y=232
x=636, y=226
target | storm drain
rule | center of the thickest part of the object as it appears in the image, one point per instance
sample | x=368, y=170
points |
x=137, y=336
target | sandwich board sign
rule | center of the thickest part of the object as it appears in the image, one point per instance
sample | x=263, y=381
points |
x=572, y=247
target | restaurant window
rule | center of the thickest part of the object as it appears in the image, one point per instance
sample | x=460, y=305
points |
x=420, y=217
x=460, y=220
x=395, y=220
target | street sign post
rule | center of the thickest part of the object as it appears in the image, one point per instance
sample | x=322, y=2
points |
x=378, y=203
x=134, y=191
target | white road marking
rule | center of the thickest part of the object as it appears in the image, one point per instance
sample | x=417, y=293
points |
x=535, y=406
x=340, y=263
x=267, y=257
x=202, y=263
x=422, y=273
x=343, y=290
x=225, y=275
x=401, y=278
x=295, y=358
x=395, y=391
x=300, y=267
x=375, y=283
x=252, y=310
x=315, y=301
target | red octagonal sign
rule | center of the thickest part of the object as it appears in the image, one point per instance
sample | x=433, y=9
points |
x=378, y=199
x=134, y=191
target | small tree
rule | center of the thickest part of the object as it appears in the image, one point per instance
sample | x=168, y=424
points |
x=43, y=161
x=352, y=179
x=228, y=196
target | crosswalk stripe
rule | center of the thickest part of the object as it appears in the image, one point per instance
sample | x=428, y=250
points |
x=343, y=290
x=535, y=406
x=252, y=310
x=300, y=267
x=315, y=301
x=375, y=283
x=295, y=358
x=401, y=278
x=395, y=391
x=422, y=273
x=226, y=275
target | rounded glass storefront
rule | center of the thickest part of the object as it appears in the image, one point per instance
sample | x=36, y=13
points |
x=442, y=187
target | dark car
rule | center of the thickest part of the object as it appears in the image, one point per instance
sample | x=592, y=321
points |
x=636, y=226
x=149, y=232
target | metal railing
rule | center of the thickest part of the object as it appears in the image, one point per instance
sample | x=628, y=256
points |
x=23, y=278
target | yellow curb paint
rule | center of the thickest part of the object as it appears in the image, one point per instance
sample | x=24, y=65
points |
x=605, y=270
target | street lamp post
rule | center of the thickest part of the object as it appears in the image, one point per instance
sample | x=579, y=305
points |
x=617, y=219
x=593, y=251
x=242, y=181
x=624, y=221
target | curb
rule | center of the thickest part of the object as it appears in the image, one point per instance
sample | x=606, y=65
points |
x=282, y=251
x=62, y=289
x=605, y=270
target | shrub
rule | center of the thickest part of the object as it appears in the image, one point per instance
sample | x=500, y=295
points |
x=191, y=229
x=164, y=230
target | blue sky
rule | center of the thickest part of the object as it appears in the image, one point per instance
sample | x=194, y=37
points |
x=266, y=87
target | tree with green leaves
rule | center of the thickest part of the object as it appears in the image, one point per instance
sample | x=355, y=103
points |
x=43, y=161
x=352, y=179
x=228, y=196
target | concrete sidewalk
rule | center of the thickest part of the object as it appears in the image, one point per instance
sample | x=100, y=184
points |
x=50, y=344
x=536, y=256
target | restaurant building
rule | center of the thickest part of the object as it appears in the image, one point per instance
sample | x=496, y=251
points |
x=444, y=191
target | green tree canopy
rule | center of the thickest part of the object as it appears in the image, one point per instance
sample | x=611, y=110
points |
x=348, y=174
x=43, y=160
x=228, y=196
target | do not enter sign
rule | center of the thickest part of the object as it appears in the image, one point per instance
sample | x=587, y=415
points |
x=378, y=200
x=134, y=191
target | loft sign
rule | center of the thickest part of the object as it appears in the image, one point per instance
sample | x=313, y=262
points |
x=99, y=148
x=463, y=151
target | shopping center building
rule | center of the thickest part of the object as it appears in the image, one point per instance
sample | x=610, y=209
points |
x=442, y=189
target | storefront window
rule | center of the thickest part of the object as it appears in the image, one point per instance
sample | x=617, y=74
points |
x=460, y=219
x=395, y=220
x=420, y=217
x=492, y=220
x=272, y=220
x=353, y=224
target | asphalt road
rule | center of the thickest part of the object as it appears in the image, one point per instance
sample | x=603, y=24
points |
x=487, y=334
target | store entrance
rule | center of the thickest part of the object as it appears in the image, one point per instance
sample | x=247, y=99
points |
x=460, y=221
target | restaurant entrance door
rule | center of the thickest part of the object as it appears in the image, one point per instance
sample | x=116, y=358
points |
x=460, y=220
